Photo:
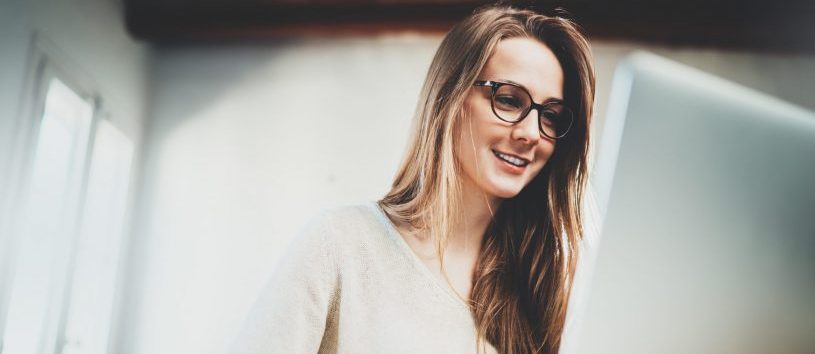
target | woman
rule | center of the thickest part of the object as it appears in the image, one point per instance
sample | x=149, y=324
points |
x=475, y=246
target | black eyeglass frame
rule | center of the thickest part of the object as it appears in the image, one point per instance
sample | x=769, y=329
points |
x=495, y=85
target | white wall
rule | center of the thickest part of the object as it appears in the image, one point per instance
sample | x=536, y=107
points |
x=14, y=42
x=91, y=42
x=245, y=142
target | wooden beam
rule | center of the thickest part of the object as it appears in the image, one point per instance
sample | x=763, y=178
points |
x=778, y=26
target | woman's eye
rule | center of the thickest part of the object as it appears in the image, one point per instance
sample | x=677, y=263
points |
x=508, y=102
x=549, y=117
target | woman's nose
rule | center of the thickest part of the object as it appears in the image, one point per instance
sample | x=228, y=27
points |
x=527, y=130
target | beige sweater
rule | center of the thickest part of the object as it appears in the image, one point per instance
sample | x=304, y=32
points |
x=350, y=284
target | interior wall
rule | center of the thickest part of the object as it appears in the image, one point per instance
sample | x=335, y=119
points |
x=14, y=42
x=245, y=142
x=90, y=41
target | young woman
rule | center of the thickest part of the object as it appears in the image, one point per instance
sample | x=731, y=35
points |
x=475, y=246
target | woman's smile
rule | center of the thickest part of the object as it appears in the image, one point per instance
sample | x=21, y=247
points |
x=511, y=163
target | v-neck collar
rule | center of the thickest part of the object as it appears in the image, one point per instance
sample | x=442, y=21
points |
x=403, y=246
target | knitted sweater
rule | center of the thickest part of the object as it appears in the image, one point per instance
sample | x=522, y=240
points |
x=350, y=284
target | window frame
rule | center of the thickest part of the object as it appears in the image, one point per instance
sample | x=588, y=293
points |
x=46, y=62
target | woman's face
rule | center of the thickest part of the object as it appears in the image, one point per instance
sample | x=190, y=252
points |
x=490, y=149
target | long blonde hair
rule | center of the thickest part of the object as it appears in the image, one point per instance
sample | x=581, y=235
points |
x=523, y=276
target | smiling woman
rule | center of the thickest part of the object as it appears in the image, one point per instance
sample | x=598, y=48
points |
x=501, y=156
x=475, y=246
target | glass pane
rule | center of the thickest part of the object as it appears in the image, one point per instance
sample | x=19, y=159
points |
x=47, y=219
x=94, y=280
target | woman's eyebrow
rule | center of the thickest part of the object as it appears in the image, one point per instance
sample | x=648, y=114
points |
x=548, y=100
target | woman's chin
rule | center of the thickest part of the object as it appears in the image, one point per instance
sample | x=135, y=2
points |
x=506, y=192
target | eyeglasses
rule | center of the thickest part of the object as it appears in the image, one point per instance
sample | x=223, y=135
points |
x=511, y=103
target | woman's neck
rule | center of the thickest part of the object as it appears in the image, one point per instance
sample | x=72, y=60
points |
x=477, y=210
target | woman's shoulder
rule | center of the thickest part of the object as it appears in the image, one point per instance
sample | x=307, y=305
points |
x=330, y=238
x=345, y=219
x=338, y=240
x=347, y=226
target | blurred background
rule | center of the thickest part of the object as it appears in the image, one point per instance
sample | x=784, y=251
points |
x=156, y=157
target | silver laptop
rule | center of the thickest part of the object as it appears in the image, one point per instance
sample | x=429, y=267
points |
x=706, y=192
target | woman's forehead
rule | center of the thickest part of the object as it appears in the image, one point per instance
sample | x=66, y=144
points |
x=528, y=62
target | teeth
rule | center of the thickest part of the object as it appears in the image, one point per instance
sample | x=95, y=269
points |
x=511, y=159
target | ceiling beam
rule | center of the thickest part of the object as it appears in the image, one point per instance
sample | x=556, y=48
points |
x=777, y=26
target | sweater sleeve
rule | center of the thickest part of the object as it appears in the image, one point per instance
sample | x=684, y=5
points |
x=291, y=313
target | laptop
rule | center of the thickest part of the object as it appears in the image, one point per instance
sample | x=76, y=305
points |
x=706, y=199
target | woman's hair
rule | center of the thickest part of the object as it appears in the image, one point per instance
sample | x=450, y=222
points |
x=528, y=255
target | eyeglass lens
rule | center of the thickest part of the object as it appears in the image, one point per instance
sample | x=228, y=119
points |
x=512, y=103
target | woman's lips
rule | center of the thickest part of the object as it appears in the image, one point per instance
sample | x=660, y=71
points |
x=510, y=163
